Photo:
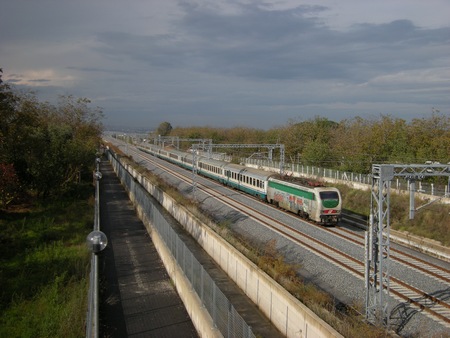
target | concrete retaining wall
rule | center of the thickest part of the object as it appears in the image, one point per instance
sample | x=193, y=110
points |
x=287, y=313
x=199, y=315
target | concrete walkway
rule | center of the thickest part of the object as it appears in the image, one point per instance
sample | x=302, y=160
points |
x=137, y=296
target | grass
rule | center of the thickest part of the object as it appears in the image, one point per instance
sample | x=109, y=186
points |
x=44, y=267
x=432, y=221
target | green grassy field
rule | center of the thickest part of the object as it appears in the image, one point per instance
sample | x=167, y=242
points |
x=44, y=267
x=432, y=221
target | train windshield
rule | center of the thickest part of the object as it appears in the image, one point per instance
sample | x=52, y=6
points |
x=330, y=199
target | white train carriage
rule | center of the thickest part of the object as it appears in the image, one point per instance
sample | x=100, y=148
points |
x=211, y=168
x=248, y=180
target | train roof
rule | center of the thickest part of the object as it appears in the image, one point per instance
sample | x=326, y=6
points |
x=259, y=174
x=296, y=184
x=212, y=161
x=176, y=152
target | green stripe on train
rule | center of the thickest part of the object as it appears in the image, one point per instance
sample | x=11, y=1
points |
x=293, y=191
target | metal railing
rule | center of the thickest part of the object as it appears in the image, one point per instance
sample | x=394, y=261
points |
x=344, y=176
x=94, y=242
x=226, y=319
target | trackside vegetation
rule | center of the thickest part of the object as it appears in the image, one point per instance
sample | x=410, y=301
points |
x=432, y=221
x=44, y=267
x=47, y=156
x=349, y=145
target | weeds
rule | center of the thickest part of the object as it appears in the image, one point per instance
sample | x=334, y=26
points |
x=44, y=267
x=431, y=222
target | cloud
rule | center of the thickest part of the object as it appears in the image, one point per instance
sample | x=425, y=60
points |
x=261, y=44
x=231, y=62
x=38, y=78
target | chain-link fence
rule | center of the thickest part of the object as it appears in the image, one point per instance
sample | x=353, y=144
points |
x=343, y=176
x=226, y=319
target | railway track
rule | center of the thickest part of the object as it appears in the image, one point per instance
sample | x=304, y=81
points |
x=436, y=307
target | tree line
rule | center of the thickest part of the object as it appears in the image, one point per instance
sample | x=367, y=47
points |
x=349, y=145
x=45, y=149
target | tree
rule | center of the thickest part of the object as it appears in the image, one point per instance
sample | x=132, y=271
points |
x=351, y=141
x=49, y=146
x=317, y=153
x=8, y=115
x=164, y=129
x=299, y=134
x=9, y=184
x=430, y=138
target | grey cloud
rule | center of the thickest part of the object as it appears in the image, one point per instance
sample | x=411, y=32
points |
x=248, y=64
x=263, y=44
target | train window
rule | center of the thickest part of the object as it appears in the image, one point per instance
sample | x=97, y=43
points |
x=329, y=195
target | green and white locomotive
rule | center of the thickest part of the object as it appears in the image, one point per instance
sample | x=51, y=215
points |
x=319, y=204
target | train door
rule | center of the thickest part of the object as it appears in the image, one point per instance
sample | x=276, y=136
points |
x=227, y=177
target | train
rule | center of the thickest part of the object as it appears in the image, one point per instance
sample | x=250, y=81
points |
x=320, y=204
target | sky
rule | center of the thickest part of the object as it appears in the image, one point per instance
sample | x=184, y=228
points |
x=217, y=63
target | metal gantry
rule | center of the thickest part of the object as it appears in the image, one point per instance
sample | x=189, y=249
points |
x=377, y=244
x=270, y=148
x=175, y=140
x=209, y=147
